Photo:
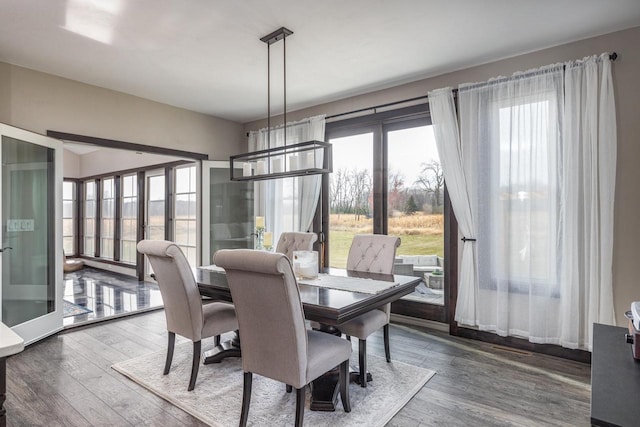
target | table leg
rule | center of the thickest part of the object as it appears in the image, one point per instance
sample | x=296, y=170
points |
x=230, y=348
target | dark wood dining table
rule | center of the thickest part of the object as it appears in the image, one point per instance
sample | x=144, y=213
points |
x=330, y=307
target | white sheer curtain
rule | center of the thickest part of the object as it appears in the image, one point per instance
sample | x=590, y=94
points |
x=590, y=159
x=445, y=128
x=539, y=152
x=288, y=204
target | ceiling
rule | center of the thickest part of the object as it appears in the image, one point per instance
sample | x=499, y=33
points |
x=206, y=56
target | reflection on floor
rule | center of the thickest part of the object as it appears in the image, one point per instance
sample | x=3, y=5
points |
x=426, y=295
x=107, y=295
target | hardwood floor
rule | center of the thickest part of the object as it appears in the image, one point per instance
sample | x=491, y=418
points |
x=66, y=380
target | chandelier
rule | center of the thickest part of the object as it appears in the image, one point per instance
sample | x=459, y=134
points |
x=299, y=159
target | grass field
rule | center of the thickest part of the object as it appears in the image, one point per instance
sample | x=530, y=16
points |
x=420, y=234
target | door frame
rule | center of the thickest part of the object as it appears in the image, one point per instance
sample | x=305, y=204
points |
x=379, y=124
x=41, y=327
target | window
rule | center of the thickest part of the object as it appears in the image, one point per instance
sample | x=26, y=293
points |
x=519, y=215
x=89, y=221
x=129, y=220
x=351, y=194
x=185, y=212
x=107, y=224
x=69, y=217
x=112, y=204
x=387, y=179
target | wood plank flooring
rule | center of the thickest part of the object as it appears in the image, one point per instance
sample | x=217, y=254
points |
x=66, y=380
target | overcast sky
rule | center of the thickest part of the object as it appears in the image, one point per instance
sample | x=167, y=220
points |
x=408, y=148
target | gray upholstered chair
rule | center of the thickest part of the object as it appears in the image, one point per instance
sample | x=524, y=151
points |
x=275, y=341
x=295, y=241
x=373, y=253
x=183, y=308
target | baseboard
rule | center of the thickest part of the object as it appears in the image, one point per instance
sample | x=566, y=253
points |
x=407, y=320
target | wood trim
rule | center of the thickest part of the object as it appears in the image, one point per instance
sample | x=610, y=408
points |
x=123, y=145
x=117, y=225
x=168, y=204
x=108, y=261
x=451, y=262
x=420, y=310
x=549, y=349
x=97, y=244
x=141, y=223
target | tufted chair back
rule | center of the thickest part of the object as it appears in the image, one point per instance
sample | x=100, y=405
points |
x=180, y=294
x=295, y=241
x=373, y=253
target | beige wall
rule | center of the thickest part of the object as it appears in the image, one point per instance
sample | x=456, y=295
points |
x=107, y=161
x=626, y=72
x=39, y=102
x=70, y=165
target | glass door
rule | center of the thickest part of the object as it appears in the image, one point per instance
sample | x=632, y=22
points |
x=387, y=179
x=31, y=233
x=415, y=211
x=350, y=194
x=227, y=210
x=155, y=212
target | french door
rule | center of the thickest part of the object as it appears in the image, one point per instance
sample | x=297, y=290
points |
x=387, y=180
x=227, y=210
x=31, y=233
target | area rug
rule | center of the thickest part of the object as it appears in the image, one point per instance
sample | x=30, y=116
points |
x=217, y=397
x=70, y=309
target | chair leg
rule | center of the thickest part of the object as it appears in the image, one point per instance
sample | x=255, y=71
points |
x=197, y=351
x=246, y=398
x=362, y=355
x=300, y=398
x=344, y=386
x=289, y=388
x=387, y=348
x=172, y=342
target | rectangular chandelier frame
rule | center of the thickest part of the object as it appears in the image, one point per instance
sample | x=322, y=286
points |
x=302, y=159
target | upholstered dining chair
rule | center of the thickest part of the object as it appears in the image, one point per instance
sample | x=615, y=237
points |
x=185, y=314
x=373, y=253
x=275, y=341
x=295, y=241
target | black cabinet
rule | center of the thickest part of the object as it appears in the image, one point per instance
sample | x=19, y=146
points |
x=615, y=379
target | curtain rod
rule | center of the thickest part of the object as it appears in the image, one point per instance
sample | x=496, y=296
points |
x=612, y=57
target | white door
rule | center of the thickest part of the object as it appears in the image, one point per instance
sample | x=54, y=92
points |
x=227, y=210
x=31, y=233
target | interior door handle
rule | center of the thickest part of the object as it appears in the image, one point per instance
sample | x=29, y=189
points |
x=6, y=247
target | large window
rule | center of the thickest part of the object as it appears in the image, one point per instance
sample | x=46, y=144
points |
x=185, y=211
x=387, y=179
x=69, y=217
x=161, y=201
x=107, y=223
x=351, y=192
x=519, y=217
x=89, y=220
x=129, y=220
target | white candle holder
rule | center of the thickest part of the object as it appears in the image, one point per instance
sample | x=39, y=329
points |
x=259, y=238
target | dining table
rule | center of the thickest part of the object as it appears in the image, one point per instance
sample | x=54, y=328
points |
x=333, y=297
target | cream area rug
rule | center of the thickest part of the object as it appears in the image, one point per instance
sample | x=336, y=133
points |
x=217, y=397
